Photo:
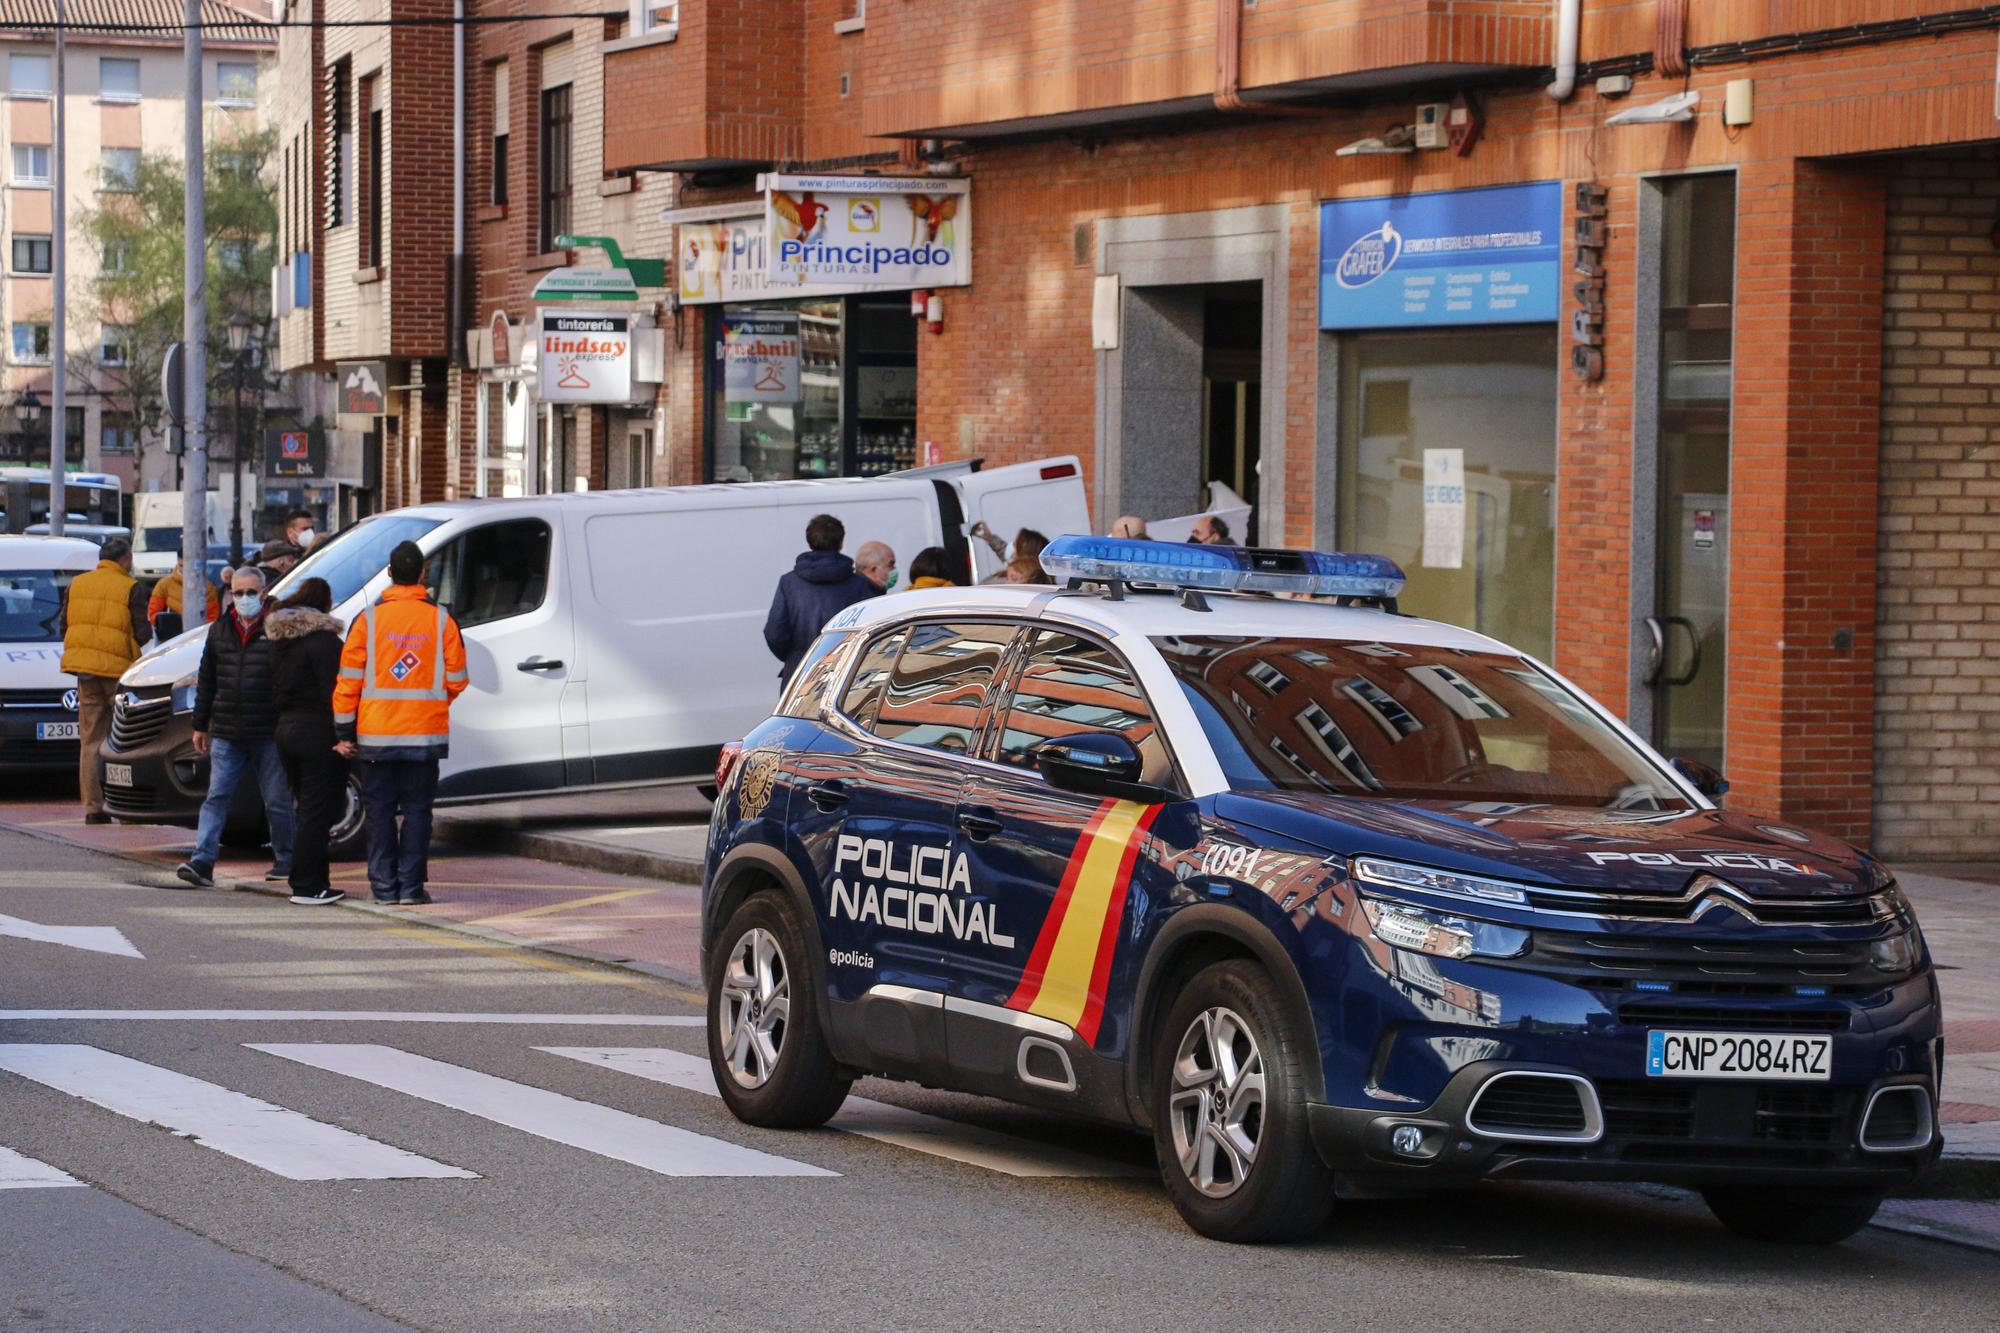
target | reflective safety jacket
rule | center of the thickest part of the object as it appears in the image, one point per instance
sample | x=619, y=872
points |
x=403, y=665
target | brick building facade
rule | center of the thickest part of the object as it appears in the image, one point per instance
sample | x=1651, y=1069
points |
x=1785, y=469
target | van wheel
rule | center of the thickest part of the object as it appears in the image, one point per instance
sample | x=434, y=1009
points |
x=766, y=1034
x=1229, y=1112
x=347, y=840
x=1792, y=1217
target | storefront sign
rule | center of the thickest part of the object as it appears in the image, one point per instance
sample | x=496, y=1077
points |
x=723, y=260
x=1460, y=257
x=295, y=453
x=760, y=356
x=1444, y=508
x=587, y=284
x=1586, y=321
x=884, y=231
x=364, y=388
x=585, y=358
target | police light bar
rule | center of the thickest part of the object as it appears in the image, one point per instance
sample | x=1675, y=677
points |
x=1221, y=568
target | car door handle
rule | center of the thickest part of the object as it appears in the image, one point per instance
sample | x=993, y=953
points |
x=979, y=823
x=539, y=664
x=827, y=796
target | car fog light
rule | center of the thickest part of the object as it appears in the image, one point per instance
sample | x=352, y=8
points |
x=1407, y=1140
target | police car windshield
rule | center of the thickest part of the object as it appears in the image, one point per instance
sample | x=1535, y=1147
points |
x=352, y=556
x=31, y=603
x=1404, y=722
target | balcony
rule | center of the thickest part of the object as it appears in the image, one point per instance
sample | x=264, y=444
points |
x=986, y=68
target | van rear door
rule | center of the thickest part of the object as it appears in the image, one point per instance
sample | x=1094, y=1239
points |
x=1046, y=496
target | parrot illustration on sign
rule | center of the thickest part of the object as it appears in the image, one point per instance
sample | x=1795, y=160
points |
x=929, y=214
x=805, y=216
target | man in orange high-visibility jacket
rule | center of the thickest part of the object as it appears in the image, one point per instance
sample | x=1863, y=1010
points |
x=403, y=665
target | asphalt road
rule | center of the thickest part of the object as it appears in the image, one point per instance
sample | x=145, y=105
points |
x=530, y=1188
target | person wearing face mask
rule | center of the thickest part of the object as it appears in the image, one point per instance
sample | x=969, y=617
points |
x=299, y=529
x=236, y=726
x=875, y=562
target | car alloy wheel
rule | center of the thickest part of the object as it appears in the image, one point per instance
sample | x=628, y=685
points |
x=756, y=1007
x=1217, y=1103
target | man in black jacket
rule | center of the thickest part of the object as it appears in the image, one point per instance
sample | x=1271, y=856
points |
x=822, y=584
x=236, y=726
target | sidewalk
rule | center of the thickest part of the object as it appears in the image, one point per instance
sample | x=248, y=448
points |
x=612, y=878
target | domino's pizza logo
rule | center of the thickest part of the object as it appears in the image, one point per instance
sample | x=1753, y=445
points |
x=404, y=665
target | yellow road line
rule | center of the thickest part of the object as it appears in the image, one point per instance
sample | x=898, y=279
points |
x=517, y=955
x=550, y=909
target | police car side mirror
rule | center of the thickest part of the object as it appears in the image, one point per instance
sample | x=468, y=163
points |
x=1096, y=763
x=1705, y=779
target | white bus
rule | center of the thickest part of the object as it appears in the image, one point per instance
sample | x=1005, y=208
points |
x=95, y=498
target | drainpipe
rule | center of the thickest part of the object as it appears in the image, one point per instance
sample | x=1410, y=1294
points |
x=455, y=320
x=1229, y=67
x=1569, y=14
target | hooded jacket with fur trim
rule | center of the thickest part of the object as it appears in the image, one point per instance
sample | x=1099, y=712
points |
x=305, y=662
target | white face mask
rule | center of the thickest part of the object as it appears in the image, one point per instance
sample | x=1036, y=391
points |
x=304, y=539
x=248, y=604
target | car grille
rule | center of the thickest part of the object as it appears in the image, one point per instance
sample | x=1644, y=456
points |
x=1744, y=966
x=138, y=723
x=33, y=699
x=1735, y=1018
x=1775, y=911
x=1531, y=1104
x=132, y=801
x=1662, y=1120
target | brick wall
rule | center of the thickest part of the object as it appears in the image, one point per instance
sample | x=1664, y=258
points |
x=1937, y=706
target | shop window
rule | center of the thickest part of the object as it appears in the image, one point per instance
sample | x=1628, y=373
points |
x=1477, y=539
x=556, y=125
x=117, y=79
x=31, y=254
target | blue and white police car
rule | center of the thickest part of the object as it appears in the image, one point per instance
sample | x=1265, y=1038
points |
x=1307, y=889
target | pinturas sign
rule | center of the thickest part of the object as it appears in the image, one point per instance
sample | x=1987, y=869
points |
x=875, y=230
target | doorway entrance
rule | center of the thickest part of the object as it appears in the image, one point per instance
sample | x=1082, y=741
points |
x=1685, y=600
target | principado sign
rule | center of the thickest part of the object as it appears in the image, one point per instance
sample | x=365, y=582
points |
x=880, y=230
x=585, y=358
x=1484, y=256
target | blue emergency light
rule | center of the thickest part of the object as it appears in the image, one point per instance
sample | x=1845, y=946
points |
x=1221, y=568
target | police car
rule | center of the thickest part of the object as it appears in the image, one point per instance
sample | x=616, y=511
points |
x=1307, y=889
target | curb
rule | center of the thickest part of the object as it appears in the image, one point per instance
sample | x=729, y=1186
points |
x=578, y=852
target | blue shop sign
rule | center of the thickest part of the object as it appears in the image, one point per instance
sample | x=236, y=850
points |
x=1459, y=257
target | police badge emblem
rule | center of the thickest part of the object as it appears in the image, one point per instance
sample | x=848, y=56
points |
x=760, y=778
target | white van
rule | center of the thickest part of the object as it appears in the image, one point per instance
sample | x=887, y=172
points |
x=38, y=723
x=612, y=637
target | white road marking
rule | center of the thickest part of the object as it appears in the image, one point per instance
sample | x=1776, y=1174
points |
x=344, y=1016
x=667, y=1149
x=282, y=1142
x=25, y=1173
x=97, y=939
x=970, y=1144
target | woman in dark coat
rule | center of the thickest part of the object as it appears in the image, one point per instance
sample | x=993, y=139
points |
x=305, y=660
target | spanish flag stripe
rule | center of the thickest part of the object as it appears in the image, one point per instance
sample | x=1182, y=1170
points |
x=1045, y=942
x=1065, y=980
x=1107, y=940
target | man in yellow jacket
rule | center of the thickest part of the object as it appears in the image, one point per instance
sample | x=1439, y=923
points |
x=403, y=665
x=104, y=626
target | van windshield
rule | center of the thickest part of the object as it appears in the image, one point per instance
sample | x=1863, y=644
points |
x=160, y=539
x=31, y=603
x=354, y=555
x=1406, y=722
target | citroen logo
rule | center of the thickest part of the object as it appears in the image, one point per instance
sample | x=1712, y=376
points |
x=1712, y=893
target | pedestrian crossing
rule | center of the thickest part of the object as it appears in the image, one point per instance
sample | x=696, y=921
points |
x=206, y=1116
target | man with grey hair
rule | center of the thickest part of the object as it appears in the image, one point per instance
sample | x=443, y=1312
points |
x=236, y=726
x=875, y=562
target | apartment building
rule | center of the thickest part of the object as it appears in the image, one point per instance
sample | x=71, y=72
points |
x=125, y=96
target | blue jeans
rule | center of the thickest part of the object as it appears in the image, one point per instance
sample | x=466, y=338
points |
x=398, y=857
x=227, y=761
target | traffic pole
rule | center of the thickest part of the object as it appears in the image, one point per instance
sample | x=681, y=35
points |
x=59, y=335
x=194, y=331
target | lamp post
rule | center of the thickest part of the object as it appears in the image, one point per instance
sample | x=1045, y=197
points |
x=239, y=345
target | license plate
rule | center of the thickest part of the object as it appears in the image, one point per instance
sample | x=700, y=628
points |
x=56, y=731
x=118, y=775
x=1739, y=1055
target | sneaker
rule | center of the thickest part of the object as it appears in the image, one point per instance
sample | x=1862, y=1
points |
x=416, y=898
x=194, y=876
x=97, y=817
x=320, y=899
x=277, y=874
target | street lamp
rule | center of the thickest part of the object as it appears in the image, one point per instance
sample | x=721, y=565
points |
x=239, y=345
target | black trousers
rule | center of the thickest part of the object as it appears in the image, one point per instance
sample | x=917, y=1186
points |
x=319, y=792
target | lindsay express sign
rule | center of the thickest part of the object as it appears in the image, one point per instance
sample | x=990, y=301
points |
x=586, y=358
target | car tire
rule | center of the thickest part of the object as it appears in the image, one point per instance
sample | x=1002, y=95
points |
x=766, y=1033
x=347, y=840
x=1252, y=1175
x=1792, y=1217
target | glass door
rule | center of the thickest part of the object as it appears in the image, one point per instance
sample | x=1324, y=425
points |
x=1688, y=628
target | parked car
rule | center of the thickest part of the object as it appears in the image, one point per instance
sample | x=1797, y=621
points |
x=38, y=725
x=613, y=638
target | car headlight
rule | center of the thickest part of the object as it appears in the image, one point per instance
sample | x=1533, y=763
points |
x=1396, y=875
x=1441, y=934
x=183, y=694
x=1895, y=953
